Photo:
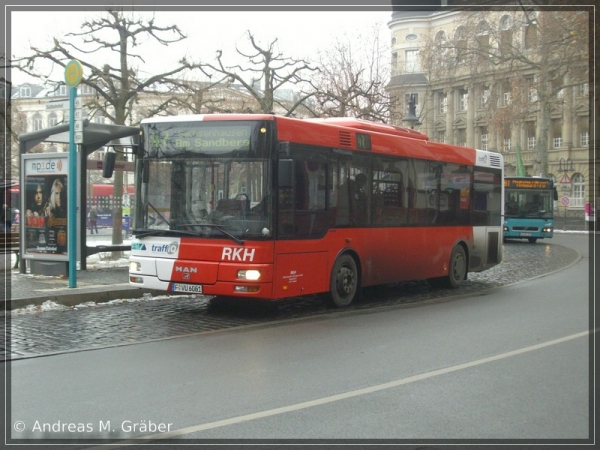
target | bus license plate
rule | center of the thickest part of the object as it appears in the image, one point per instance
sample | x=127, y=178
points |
x=525, y=234
x=189, y=288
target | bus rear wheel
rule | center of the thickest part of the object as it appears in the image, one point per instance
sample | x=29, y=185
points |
x=344, y=281
x=457, y=272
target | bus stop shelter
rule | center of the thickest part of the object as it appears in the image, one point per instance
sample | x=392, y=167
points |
x=95, y=136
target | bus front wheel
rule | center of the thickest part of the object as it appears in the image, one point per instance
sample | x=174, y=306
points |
x=344, y=281
x=532, y=240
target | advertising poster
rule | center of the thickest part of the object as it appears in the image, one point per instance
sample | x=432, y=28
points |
x=46, y=206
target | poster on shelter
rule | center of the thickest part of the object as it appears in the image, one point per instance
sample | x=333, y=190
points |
x=46, y=206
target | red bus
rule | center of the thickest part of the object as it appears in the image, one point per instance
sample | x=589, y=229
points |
x=270, y=207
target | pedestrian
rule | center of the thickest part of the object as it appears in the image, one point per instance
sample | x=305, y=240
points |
x=93, y=217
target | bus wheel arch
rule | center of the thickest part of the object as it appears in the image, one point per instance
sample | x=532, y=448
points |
x=345, y=281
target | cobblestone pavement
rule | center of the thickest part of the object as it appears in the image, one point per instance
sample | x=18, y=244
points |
x=132, y=321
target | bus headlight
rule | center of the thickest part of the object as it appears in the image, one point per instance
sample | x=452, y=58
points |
x=251, y=274
x=135, y=266
x=547, y=230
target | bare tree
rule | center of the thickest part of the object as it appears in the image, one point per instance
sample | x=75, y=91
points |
x=267, y=72
x=117, y=87
x=351, y=79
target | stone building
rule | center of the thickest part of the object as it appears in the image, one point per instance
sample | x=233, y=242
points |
x=463, y=100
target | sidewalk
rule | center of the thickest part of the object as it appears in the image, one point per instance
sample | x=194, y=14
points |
x=103, y=281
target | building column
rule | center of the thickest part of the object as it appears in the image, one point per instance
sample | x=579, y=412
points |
x=430, y=114
x=450, y=116
x=567, y=125
x=470, y=116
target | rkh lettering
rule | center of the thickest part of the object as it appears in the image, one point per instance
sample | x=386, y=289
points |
x=238, y=254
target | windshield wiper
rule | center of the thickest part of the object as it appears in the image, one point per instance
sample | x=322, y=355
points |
x=222, y=230
x=144, y=233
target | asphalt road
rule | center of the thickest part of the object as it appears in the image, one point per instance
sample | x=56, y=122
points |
x=511, y=364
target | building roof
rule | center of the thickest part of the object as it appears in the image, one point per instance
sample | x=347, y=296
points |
x=408, y=79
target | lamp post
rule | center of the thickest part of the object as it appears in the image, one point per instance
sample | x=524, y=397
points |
x=565, y=165
x=411, y=119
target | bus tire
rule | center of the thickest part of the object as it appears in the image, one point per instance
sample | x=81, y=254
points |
x=457, y=271
x=343, y=286
x=532, y=240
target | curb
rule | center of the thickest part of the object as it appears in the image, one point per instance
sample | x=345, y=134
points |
x=79, y=297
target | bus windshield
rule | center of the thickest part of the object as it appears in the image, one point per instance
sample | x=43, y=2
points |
x=528, y=203
x=205, y=179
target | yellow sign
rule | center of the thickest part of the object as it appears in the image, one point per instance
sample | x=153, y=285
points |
x=73, y=73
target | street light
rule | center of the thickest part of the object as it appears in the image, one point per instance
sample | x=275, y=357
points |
x=411, y=119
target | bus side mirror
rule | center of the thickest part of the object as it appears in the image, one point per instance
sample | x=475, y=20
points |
x=108, y=166
x=286, y=173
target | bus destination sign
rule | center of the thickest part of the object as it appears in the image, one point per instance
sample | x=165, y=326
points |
x=530, y=183
x=185, y=137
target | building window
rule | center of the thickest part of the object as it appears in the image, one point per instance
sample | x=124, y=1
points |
x=531, y=141
x=483, y=40
x=584, y=90
x=557, y=142
x=584, y=139
x=394, y=60
x=461, y=45
x=531, y=90
x=485, y=97
x=556, y=134
x=506, y=145
x=506, y=35
x=531, y=36
x=506, y=99
x=484, y=139
x=441, y=136
x=99, y=119
x=461, y=137
x=412, y=61
x=408, y=96
x=38, y=123
x=578, y=191
x=443, y=103
x=463, y=97
x=24, y=92
x=52, y=120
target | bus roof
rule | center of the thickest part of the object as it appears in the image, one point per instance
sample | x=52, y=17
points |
x=368, y=125
x=207, y=118
x=341, y=133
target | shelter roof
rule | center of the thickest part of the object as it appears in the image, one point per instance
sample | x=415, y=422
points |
x=95, y=135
